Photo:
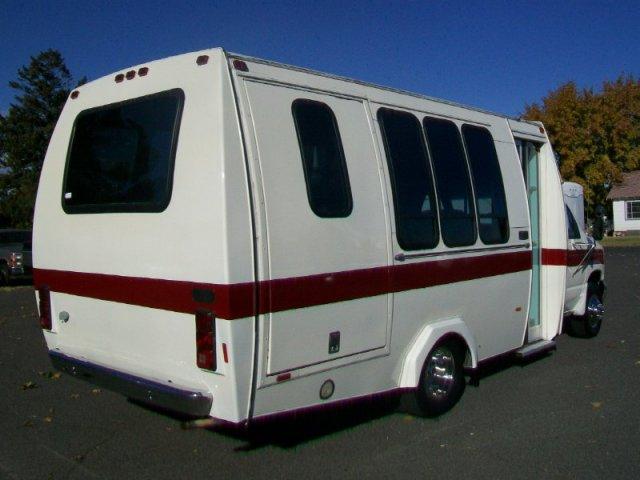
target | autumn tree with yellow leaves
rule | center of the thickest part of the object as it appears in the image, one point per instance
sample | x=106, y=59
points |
x=596, y=133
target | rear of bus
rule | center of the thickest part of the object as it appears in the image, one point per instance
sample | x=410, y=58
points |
x=141, y=205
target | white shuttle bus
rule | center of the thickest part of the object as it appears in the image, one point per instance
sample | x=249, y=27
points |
x=233, y=238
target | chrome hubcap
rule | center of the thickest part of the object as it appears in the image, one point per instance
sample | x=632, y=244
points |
x=595, y=310
x=439, y=373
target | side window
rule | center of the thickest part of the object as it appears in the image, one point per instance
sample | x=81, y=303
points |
x=493, y=222
x=573, y=231
x=325, y=170
x=457, y=216
x=411, y=180
x=632, y=210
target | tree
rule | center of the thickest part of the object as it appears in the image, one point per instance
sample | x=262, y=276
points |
x=42, y=88
x=595, y=133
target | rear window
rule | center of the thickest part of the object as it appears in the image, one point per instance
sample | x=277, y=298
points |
x=121, y=156
x=15, y=236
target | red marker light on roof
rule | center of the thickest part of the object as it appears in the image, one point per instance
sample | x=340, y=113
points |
x=130, y=74
x=240, y=65
x=119, y=78
x=202, y=59
x=75, y=94
x=142, y=72
x=541, y=130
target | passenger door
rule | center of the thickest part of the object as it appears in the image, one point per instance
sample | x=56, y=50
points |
x=528, y=153
x=323, y=230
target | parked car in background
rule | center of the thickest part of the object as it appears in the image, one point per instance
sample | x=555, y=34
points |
x=15, y=255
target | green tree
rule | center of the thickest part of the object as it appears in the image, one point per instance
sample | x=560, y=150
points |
x=595, y=133
x=42, y=88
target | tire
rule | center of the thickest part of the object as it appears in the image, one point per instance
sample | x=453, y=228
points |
x=588, y=325
x=442, y=379
x=4, y=275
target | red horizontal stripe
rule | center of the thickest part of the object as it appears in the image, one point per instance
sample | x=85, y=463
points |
x=237, y=300
x=570, y=258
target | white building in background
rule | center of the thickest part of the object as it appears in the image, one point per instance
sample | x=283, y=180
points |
x=626, y=203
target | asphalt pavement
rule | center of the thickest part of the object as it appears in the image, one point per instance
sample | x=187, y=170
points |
x=572, y=414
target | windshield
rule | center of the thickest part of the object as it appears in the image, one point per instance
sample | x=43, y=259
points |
x=121, y=156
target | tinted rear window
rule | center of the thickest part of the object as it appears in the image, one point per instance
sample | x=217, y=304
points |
x=15, y=237
x=121, y=156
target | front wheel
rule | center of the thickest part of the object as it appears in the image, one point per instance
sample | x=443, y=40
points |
x=442, y=379
x=588, y=325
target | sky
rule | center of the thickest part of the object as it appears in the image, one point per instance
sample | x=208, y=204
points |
x=495, y=55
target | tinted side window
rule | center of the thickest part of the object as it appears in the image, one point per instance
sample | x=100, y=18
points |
x=573, y=231
x=411, y=180
x=457, y=216
x=493, y=222
x=323, y=160
x=121, y=156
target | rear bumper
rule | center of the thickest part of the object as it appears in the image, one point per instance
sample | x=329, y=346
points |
x=197, y=404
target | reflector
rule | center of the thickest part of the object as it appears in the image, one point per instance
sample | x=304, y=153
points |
x=45, y=307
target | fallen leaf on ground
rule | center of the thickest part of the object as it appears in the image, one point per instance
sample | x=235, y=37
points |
x=27, y=423
x=48, y=419
x=29, y=385
x=596, y=405
x=75, y=395
x=95, y=391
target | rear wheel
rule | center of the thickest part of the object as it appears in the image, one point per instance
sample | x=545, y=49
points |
x=588, y=325
x=442, y=379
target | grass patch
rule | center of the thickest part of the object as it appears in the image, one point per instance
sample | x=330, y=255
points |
x=627, y=241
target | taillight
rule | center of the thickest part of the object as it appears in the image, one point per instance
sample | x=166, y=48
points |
x=45, y=307
x=205, y=340
x=15, y=260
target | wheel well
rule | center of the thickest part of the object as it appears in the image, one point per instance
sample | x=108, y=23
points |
x=461, y=342
x=595, y=279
